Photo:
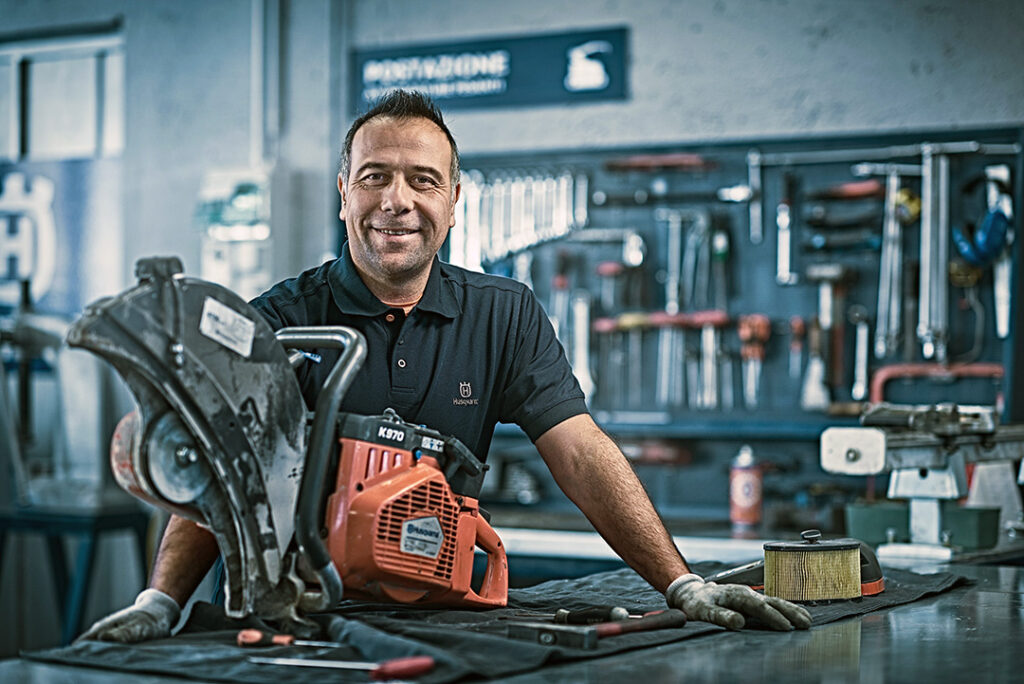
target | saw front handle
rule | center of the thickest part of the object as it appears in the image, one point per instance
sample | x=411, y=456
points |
x=494, y=588
x=311, y=489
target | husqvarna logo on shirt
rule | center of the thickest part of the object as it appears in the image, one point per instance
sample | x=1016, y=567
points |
x=465, y=397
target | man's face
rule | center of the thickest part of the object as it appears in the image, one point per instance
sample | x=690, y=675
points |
x=397, y=202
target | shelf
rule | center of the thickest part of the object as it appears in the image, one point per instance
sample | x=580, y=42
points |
x=709, y=426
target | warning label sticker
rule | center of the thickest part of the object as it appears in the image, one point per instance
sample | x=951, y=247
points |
x=223, y=324
x=422, y=537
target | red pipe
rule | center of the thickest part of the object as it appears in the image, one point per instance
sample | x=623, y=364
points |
x=929, y=370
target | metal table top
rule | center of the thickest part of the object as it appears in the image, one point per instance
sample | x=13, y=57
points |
x=971, y=634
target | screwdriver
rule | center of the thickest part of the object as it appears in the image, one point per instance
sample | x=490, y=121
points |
x=389, y=669
x=258, y=637
x=582, y=616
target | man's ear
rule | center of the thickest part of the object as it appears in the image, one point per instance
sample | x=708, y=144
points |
x=341, y=191
x=455, y=201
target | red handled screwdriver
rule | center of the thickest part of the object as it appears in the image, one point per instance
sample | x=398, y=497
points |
x=389, y=669
x=258, y=637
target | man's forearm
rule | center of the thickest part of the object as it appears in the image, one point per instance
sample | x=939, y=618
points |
x=594, y=474
x=186, y=553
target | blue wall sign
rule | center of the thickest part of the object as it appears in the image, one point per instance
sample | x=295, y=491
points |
x=563, y=68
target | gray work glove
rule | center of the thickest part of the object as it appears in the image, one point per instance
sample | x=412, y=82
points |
x=151, y=617
x=728, y=605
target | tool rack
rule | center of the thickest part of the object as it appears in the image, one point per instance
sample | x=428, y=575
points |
x=720, y=240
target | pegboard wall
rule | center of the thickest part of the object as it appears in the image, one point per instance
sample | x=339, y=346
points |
x=716, y=291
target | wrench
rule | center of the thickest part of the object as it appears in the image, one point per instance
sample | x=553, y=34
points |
x=581, y=342
x=933, y=295
x=1001, y=269
x=858, y=316
x=754, y=181
x=784, y=238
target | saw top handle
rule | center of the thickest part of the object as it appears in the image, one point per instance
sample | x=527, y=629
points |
x=328, y=402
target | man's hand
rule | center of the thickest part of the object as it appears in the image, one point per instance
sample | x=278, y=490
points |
x=728, y=605
x=152, y=617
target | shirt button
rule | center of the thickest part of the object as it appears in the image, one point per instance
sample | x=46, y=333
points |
x=401, y=341
x=390, y=318
x=401, y=363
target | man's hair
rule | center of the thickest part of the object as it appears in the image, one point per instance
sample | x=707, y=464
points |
x=401, y=104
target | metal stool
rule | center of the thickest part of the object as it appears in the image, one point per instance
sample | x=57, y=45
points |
x=88, y=526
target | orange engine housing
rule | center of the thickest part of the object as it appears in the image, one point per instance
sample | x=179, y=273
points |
x=397, y=530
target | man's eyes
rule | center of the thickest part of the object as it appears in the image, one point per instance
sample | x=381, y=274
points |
x=380, y=178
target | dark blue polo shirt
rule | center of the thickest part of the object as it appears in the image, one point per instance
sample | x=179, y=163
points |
x=477, y=350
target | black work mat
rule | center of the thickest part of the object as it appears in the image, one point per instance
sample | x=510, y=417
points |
x=466, y=644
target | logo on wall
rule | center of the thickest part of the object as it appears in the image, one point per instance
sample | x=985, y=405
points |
x=28, y=243
x=584, y=72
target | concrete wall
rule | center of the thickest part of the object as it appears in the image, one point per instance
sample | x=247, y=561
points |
x=701, y=70
x=727, y=69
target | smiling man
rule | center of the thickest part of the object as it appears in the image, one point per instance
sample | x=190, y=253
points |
x=456, y=350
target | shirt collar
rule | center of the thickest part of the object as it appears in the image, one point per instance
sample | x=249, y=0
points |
x=352, y=296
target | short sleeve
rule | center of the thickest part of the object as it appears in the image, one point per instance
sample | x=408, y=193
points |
x=540, y=389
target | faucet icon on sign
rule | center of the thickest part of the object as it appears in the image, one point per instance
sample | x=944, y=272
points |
x=584, y=72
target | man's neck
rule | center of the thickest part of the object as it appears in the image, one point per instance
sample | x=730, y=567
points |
x=399, y=295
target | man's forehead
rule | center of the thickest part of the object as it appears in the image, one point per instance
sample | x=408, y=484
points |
x=408, y=133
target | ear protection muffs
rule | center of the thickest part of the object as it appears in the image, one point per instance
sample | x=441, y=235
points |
x=979, y=245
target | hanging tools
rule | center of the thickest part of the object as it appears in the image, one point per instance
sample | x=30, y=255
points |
x=397, y=668
x=671, y=337
x=900, y=208
x=998, y=177
x=989, y=242
x=581, y=342
x=560, y=304
x=609, y=361
x=754, y=331
x=632, y=325
x=814, y=395
x=797, y=331
x=709, y=323
x=719, y=263
x=671, y=355
x=932, y=314
x=829, y=277
x=858, y=316
x=966, y=277
x=696, y=260
x=784, y=214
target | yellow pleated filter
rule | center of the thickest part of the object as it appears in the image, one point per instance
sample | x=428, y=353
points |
x=812, y=570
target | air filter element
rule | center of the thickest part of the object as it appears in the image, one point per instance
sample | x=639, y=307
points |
x=812, y=570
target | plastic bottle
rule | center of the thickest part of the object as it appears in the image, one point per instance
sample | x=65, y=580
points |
x=745, y=494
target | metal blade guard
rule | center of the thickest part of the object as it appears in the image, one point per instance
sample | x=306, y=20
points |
x=221, y=438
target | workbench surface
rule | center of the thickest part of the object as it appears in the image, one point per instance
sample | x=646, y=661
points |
x=971, y=634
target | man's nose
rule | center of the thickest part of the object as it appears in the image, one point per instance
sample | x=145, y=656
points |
x=397, y=197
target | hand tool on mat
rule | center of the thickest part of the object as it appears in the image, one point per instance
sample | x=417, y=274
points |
x=411, y=666
x=259, y=637
x=580, y=616
x=580, y=636
x=215, y=385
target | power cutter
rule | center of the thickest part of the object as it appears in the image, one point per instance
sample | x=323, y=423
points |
x=222, y=437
